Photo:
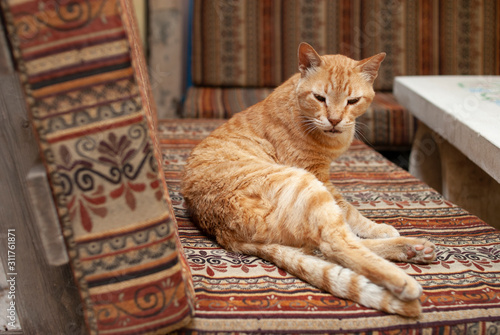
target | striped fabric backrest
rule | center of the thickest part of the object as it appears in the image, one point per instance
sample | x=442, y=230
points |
x=254, y=43
x=237, y=43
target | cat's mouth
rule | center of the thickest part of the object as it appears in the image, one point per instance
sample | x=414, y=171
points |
x=333, y=131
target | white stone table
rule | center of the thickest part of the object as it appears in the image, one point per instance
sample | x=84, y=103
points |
x=462, y=112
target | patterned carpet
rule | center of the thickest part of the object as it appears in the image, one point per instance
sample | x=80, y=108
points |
x=238, y=293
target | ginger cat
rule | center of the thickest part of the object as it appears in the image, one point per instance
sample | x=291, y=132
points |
x=260, y=185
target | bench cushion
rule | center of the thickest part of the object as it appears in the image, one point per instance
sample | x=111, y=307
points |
x=239, y=293
x=386, y=124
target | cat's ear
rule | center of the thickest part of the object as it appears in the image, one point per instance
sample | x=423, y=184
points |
x=308, y=58
x=369, y=66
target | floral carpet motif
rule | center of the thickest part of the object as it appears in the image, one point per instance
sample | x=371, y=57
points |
x=240, y=293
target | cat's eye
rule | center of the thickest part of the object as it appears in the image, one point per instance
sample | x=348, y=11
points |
x=353, y=101
x=320, y=98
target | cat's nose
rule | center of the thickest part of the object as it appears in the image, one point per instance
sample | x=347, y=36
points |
x=334, y=122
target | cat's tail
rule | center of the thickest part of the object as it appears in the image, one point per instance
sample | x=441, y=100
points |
x=333, y=278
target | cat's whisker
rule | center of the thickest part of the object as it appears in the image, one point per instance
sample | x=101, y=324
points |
x=359, y=134
x=361, y=125
x=309, y=123
x=310, y=129
x=313, y=127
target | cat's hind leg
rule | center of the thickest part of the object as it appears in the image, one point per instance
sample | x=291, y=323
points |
x=385, y=240
x=330, y=277
x=360, y=225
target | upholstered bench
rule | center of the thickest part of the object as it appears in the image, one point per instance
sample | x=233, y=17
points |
x=244, y=294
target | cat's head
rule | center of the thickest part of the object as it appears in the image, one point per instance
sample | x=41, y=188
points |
x=333, y=91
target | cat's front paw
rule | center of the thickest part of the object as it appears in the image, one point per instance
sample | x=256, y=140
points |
x=383, y=230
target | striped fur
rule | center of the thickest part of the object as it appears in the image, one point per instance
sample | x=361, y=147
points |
x=260, y=185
